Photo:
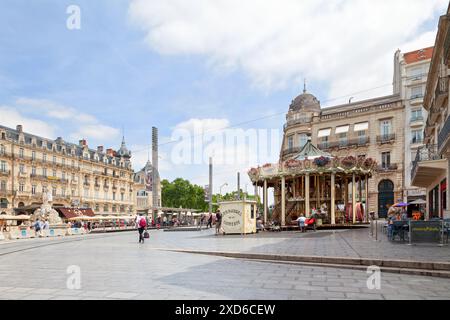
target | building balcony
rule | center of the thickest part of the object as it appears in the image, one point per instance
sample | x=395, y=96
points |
x=38, y=177
x=388, y=168
x=23, y=194
x=74, y=181
x=427, y=165
x=443, y=138
x=4, y=173
x=6, y=192
x=86, y=184
x=416, y=121
x=386, y=138
x=23, y=174
x=358, y=142
x=416, y=99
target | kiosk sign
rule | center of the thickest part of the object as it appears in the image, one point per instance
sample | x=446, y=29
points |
x=232, y=220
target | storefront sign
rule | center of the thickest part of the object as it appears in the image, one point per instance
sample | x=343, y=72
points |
x=425, y=231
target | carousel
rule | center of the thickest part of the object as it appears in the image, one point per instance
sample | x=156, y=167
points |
x=314, y=183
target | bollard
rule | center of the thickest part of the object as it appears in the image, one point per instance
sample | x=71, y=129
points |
x=376, y=230
x=442, y=233
x=410, y=233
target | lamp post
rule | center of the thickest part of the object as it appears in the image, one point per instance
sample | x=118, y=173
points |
x=220, y=189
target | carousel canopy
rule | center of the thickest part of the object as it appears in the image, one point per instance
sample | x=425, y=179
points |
x=311, y=152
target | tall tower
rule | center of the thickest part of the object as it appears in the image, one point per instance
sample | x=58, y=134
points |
x=155, y=191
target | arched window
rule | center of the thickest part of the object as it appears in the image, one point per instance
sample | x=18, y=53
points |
x=385, y=197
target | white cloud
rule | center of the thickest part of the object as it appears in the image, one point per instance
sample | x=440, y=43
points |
x=233, y=150
x=348, y=44
x=83, y=125
x=10, y=117
x=97, y=131
x=55, y=110
x=203, y=125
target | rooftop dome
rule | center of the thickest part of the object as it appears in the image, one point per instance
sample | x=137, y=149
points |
x=305, y=102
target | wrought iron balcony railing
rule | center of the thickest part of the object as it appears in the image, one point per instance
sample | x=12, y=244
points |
x=425, y=153
x=385, y=138
x=388, y=167
x=444, y=134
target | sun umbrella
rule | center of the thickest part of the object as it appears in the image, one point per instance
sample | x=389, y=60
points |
x=400, y=204
x=419, y=201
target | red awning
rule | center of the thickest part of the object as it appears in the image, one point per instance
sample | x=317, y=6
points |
x=74, y=212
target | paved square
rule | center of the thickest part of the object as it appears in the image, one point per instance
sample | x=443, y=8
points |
x=116, y=266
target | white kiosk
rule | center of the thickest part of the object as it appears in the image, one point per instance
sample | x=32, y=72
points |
x=238, y=217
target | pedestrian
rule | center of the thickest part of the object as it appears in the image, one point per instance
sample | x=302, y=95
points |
x=37, y=228
x=165, y=221
x=218, y=222
x=141, y=225
x=301, y=223
x=209, y=221
x=202, y=219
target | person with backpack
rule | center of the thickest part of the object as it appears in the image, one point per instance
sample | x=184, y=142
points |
x=141, y=224
x=37, y=227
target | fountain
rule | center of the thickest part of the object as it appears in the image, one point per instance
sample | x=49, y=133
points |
x=46, y=212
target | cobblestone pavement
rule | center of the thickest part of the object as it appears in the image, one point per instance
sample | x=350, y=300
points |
x=115, y=266
x=339, y=243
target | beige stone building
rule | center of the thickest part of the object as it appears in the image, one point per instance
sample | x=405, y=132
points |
x=370, y=129
x=431, y=166
x=74, y=174
x=410, y=78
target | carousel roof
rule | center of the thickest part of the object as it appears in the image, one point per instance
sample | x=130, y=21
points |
x=311, y=152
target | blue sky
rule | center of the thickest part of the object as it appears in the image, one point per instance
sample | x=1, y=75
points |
x=138, y=64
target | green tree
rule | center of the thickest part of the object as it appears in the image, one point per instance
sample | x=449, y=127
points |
x=181, y=193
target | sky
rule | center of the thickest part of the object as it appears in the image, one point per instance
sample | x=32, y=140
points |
x=209, y=68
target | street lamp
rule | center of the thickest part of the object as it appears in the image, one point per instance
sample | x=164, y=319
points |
x=220, y=189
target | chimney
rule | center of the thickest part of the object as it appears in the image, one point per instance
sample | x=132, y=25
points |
x=100, y=149
x=110, y=152
x=83, y=143
x=19, y=128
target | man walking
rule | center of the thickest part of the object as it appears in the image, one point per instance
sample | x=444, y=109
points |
x=141, y=224
x=218, y=222
x=210, y=219
x=202, y=219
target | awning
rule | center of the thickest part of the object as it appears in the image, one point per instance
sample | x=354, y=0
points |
x=342, y=129
x=74, y=212
x=362, y=126
x=324, y=133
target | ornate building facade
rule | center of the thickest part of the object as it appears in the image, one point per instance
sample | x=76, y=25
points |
x=143, y=182
x=410, y=78
x=367, y=129
x=74, y=174
x=431, y=165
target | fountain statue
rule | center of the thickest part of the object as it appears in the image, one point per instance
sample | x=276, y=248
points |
x=46, y=211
